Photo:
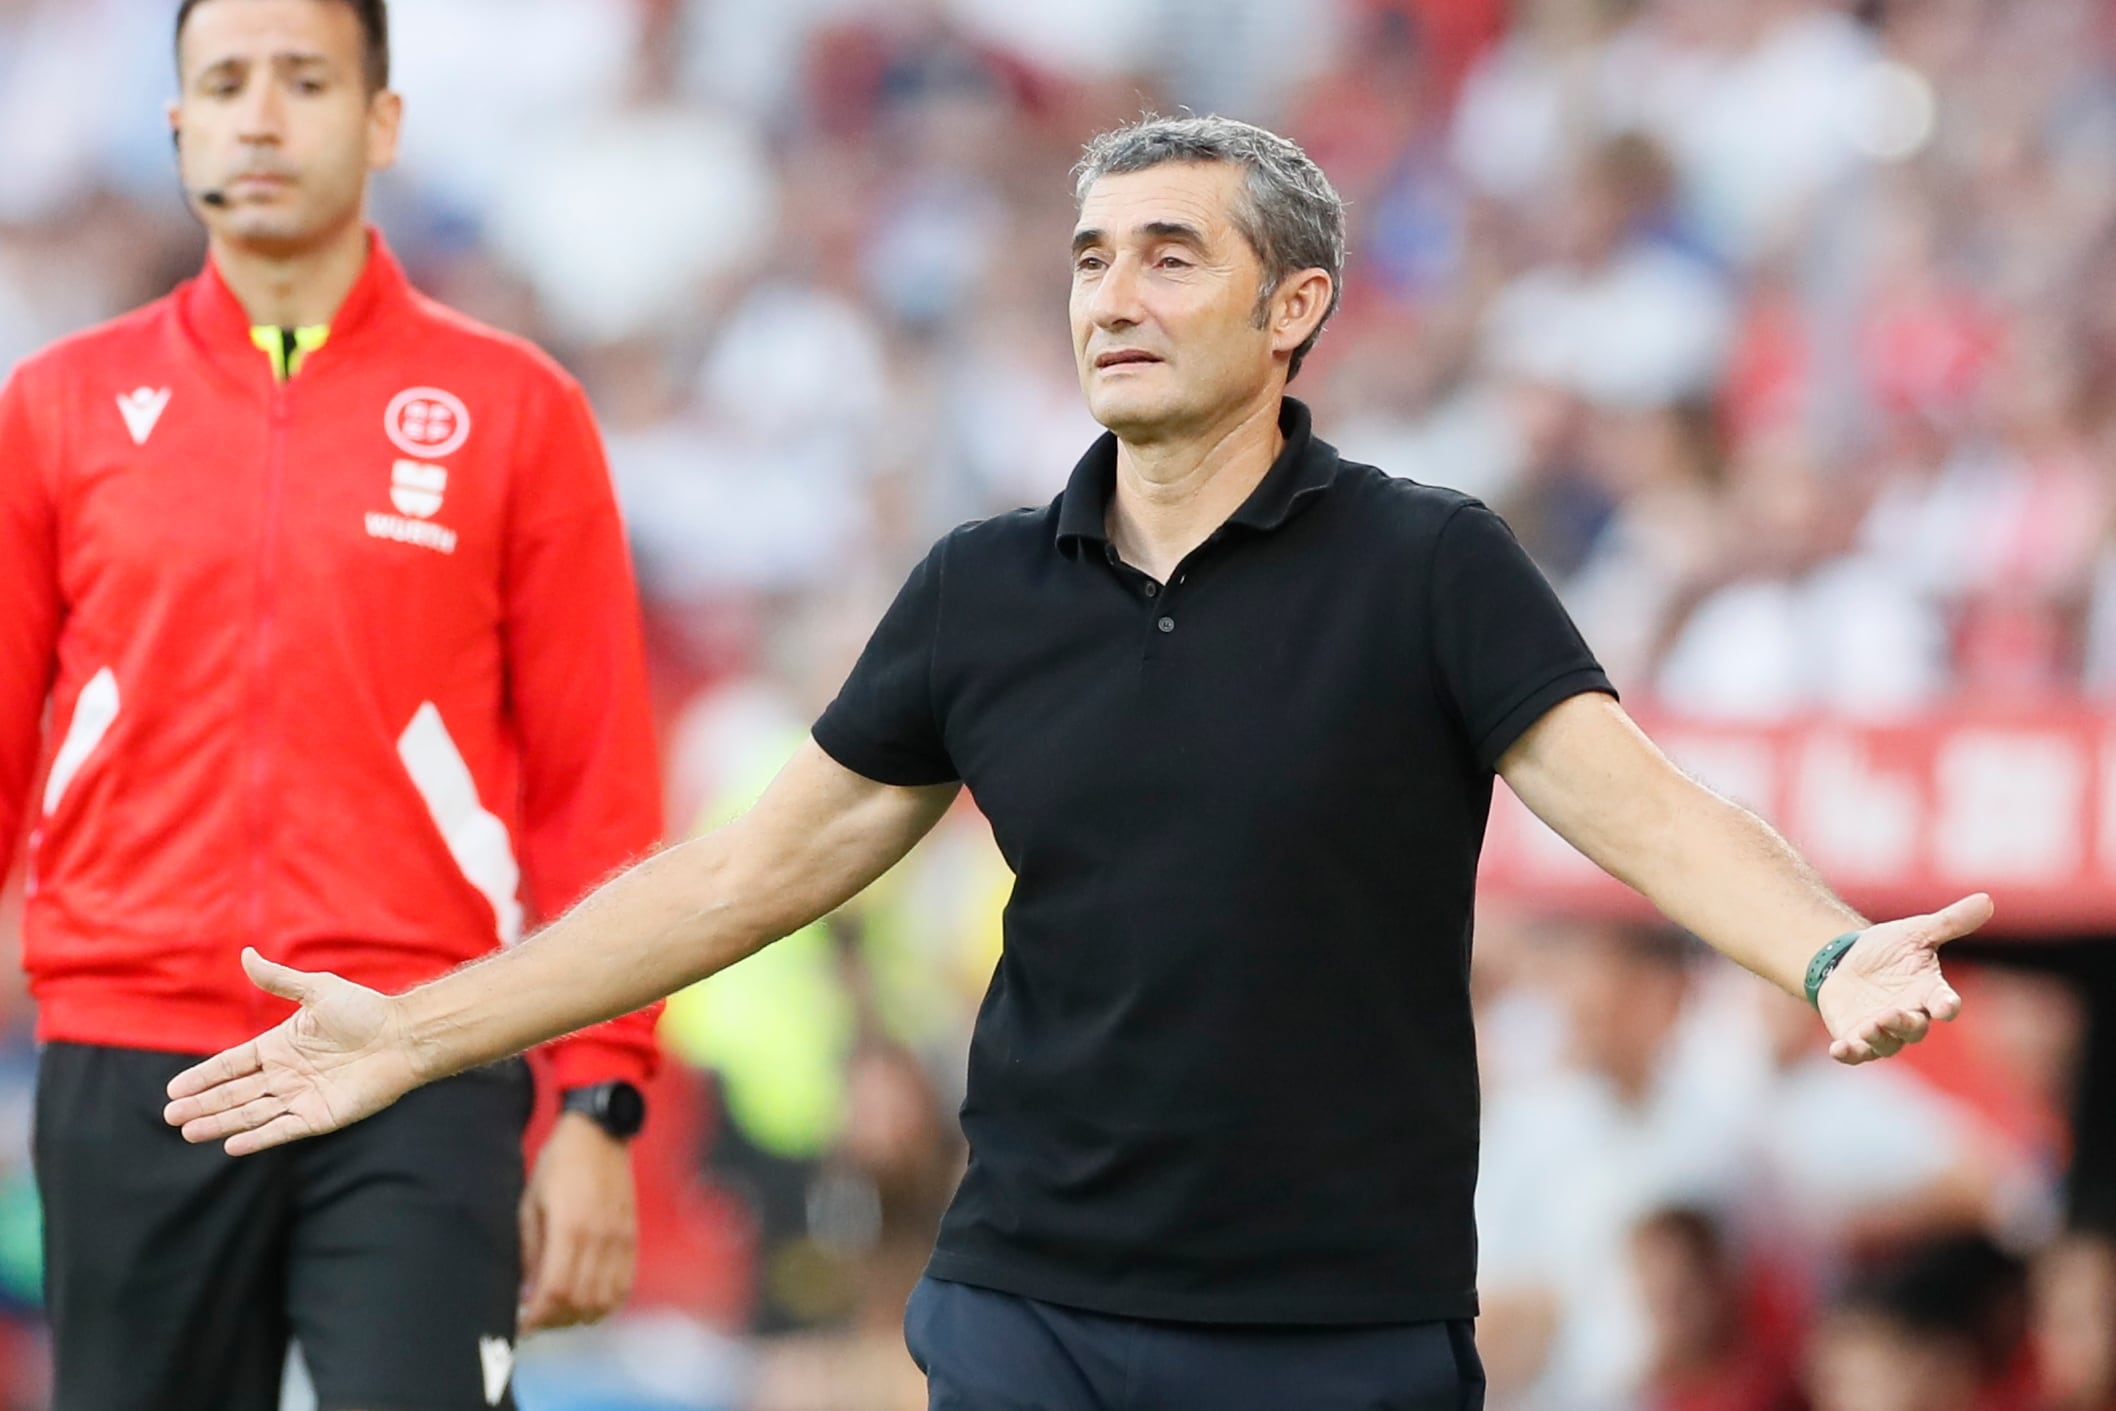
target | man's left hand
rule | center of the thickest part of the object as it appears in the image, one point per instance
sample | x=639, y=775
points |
x=1888, y=989
x=580, y=1229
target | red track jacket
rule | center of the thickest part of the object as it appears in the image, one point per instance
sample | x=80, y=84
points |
x=333, y=663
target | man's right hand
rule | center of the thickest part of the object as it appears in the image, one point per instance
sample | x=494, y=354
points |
x=818, y=836
x=343, y=1056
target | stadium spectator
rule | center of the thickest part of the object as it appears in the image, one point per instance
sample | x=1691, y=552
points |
x=2073, y=1323
x=1706, y=1352
x=1793, y=621
x=1619, y=317
x=1645, y=1113
x=1936, y=1327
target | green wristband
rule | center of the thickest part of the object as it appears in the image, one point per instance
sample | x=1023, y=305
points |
x=1825, y=962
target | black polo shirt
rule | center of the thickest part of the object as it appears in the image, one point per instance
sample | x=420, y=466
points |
x=1225, y=1070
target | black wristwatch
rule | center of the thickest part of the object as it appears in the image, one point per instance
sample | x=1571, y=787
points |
x=616, y=1106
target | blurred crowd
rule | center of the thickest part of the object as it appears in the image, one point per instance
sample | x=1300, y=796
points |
x=1782, y=331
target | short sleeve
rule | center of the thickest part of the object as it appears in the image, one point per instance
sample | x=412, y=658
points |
x=1504, y=646
x=883, y=724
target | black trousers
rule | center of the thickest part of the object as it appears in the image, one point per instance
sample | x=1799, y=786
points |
x=175, y=1274
x=982, y=1350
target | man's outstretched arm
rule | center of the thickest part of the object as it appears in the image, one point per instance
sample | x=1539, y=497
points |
x=819, y=835
x=1721, y=872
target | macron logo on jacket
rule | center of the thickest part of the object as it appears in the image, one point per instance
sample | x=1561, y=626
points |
x=142, y=408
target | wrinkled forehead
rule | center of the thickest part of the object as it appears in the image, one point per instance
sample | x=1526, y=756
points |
x=1200, y=196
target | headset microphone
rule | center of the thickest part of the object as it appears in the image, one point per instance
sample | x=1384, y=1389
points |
x=211, y=196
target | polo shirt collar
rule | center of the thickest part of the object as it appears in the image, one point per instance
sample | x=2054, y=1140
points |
x=1303, y=470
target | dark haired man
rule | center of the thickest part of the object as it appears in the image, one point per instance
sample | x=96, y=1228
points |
x=373, y=18
x=1233, y=707
x=326, y=591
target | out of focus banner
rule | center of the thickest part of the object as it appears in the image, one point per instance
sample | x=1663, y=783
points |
x=1899, y=818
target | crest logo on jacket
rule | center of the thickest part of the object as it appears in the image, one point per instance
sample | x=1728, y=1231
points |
x=426, y=424
x=416, y=488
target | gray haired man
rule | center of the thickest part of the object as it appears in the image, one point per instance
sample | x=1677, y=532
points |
x=1233, y=706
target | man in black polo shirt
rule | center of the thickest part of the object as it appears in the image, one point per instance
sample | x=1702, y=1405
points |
x=1233, y=706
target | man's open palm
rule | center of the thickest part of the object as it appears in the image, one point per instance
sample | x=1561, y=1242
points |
x=1888, y=989
x=340, y=1058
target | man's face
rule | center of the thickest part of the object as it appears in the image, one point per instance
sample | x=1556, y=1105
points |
x=275, y=114
x=1164, y=301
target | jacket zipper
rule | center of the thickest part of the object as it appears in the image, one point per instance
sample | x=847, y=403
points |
x=262, y=624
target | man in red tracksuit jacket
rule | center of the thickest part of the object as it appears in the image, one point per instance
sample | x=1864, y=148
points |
x=326, y=590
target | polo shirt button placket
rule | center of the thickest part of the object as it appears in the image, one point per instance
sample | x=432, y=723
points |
x=1166, y=623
